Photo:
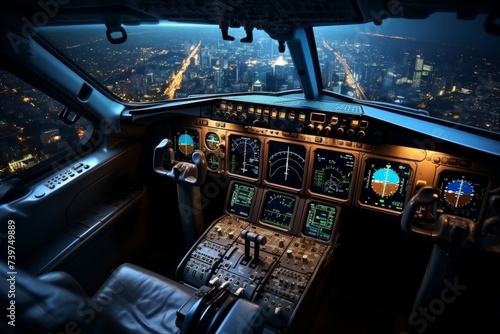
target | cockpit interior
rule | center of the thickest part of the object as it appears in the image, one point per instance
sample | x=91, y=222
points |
x=178, y=187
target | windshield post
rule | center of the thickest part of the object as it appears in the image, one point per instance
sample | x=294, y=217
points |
x=302, y=53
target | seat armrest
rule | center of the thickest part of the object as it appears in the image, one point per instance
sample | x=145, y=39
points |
x=244, y=317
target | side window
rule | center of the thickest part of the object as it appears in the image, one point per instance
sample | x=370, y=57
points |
x=31, y=132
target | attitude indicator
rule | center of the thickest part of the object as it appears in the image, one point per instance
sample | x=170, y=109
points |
x=212, y=140
x=385, y=184
x=185, y=142
x=462, y=193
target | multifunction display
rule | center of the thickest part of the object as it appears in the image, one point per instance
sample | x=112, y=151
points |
x=385, y=184
x=332, y=173
x=462, y=193
x=185, y=142
x=286, y=163
x=244, y=156
x=240, y=200
x=278, y=209
x=320, y=220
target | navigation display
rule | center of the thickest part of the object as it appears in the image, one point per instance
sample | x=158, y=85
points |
x=278, y=209
x=332, y=173
x=185, y=142
x=241, y=198
x=385, y=184
x=286, y=164
x=320, y=220
x=244, y=156
x=462, y=193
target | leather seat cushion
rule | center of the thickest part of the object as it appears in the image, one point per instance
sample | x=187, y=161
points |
x=140, y=301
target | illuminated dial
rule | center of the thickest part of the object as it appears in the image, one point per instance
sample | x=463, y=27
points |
x=385, y=184
x=212, y=141
x=458, y=193
x=278, y=209
x=185, y=141
x=332, y=173
x=186, y=144
x=212, y=161
x=244, y=156
x=462, y=193
x=286, y=164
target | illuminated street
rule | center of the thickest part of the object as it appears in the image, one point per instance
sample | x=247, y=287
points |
x=176, y=80
x=350, y=81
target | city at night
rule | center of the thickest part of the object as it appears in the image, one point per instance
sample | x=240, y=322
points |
x=254, y=167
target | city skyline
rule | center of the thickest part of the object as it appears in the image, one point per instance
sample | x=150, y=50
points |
x=457, y=84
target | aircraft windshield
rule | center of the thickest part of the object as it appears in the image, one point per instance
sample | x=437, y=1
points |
x=170, y=61
x=450, y=70
x=448, y=67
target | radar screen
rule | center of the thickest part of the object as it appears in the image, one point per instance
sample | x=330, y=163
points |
x=385, y=184
x=241, y=198
x=332, y=173
x=286, y=164
x=185, y=142
x=244, y=156
x=320, y=220
x=462, y=193
x=278, y=209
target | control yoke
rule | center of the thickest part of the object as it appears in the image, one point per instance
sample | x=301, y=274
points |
x=182, y=172
x=188, y=176
x=451, y=232
x=490, y=232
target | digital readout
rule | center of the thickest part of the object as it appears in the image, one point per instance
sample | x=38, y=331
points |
x=278, y=209
x=320, y=221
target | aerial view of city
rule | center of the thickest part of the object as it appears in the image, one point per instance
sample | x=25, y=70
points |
x=456, y=83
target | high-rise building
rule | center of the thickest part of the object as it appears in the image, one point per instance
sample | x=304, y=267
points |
x=417, y=74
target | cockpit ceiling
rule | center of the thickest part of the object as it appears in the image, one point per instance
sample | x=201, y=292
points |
x=270, y=15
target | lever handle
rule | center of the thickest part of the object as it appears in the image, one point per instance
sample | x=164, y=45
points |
x=489, y=237
x=182, y=172
x=425, y=196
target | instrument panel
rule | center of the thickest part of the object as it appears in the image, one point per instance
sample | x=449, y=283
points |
x=299, y=182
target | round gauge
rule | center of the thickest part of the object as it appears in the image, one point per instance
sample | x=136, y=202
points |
x=278, y=209
x=462, y=193
x=185, y=141
x=186, y=144
x=286, y=164
x=458, y=193
x=212, y=141
x=244, y=156
x=332, y=173
x=212, y=161
x=385, y=182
